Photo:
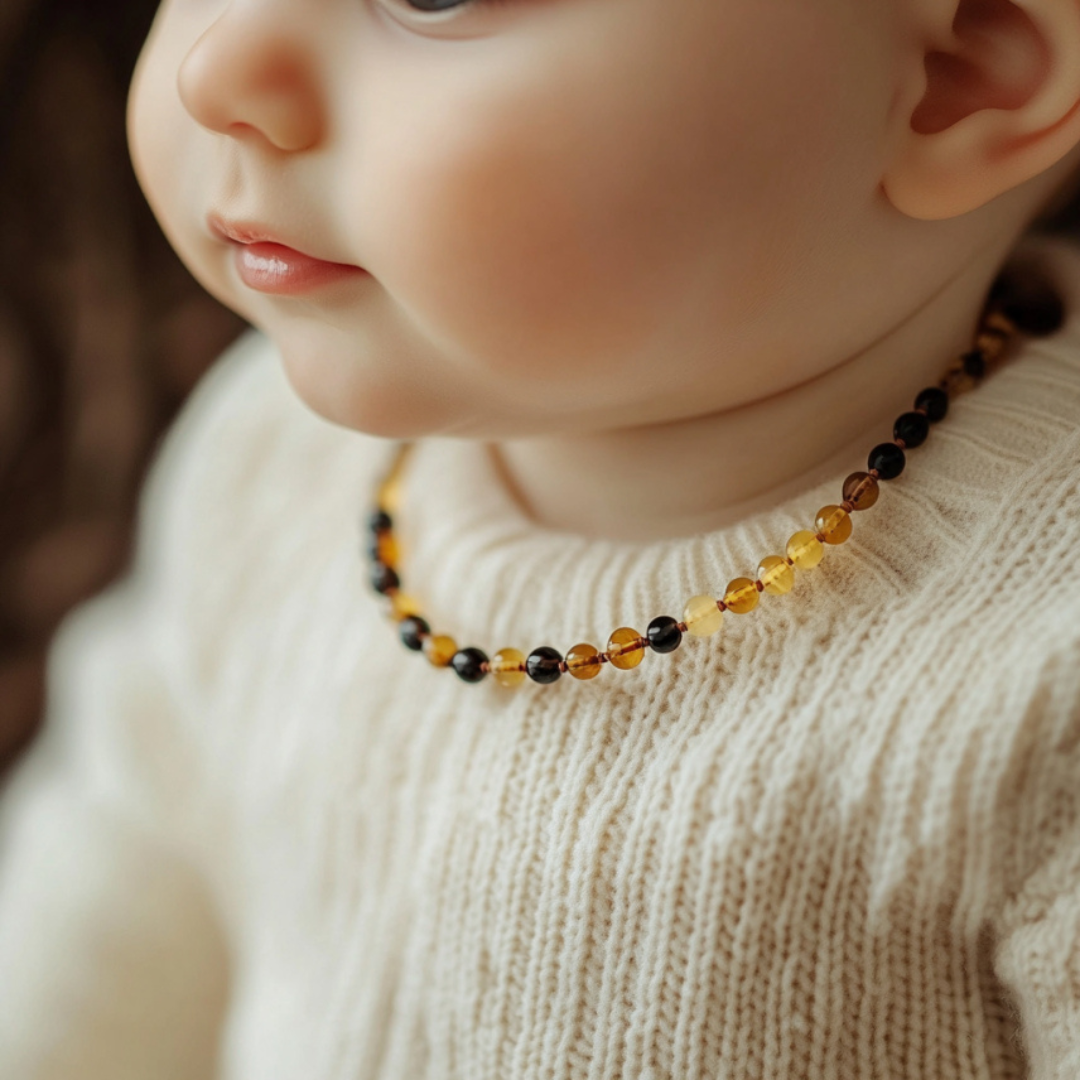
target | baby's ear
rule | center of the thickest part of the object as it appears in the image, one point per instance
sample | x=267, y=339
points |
x=989, y=97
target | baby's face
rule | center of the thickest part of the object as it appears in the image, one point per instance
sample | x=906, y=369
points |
x=567, y=214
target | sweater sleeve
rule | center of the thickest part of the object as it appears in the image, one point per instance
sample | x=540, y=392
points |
x=112, y=961
x=1038, y=932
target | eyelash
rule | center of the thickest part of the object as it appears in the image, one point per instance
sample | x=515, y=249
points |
x=461, y=4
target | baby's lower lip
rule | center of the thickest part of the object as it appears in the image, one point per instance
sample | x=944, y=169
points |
x=283, y=271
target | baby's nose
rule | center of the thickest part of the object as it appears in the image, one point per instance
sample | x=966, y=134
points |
x=254, y=70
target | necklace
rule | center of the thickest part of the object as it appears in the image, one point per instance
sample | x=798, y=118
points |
x=1015, y=306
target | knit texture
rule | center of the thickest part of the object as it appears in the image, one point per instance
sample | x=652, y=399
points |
x=260, y=840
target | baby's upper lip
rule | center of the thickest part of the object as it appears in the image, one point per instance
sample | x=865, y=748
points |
x=253, y=232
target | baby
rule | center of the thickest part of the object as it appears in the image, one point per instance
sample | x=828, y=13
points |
x=731, y=773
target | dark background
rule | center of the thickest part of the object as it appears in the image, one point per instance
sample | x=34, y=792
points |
x=102, y=331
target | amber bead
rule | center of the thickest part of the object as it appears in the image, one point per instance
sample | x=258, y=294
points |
x=413, y=630
x=664, y=634
x=805, y=550
x=861, y=490
x=508, y=667
x=469, y=664
x=702, y=616
x=834, y=524
x=913, y=428
x=888, y=459
x=934, y=401
x=544, y=665
x=776, y=575
x=440, y=649
x=383, y=548
x=384, y=578
x=626, y=648
x=583, y=661
x=741, y=595
x=401, y=605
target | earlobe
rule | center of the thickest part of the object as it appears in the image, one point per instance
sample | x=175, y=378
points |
x=992, y=101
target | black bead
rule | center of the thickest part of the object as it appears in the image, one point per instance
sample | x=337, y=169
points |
x=380, y=521
x=912, y=427
x=888, y=459
x=974, y=364
x=542, y=665
x=384, y=578
x=466, y=662
x=413, y=630
x=935, y=401
x=664, y=634
x=1029, y=300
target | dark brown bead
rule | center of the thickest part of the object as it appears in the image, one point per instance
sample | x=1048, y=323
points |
x=664, y=634
x=384, y=579
x=861, y=490
x=470, y=664
x=934, y=402
x=380, y=521
x=413, y=629
x=544, y=665
x=974, y=363
x=888, y=459
x=913, y=428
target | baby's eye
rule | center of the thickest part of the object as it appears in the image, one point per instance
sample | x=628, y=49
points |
x=436, y=5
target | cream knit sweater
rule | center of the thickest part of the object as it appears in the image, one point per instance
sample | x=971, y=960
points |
x=260, y=840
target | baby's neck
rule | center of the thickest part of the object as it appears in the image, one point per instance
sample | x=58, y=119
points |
x=701, y=473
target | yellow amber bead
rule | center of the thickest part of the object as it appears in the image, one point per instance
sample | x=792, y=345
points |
x=402, y=605
x=834, y=523
x=508, y=667
x=583, y=661
x=389, y=553
x=702, y=616
x=805, y=550
x=625, y=648
x=741, y=595
x=776, y=575
x=439, y=648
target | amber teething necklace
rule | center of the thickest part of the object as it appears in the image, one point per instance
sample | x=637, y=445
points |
x=1012, y=308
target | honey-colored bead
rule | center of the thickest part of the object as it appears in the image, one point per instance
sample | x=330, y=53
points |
x=439, y=649
x=702, y=616
x=776, y=575
x=403, y=605
x=805, y=550
x=742, y=595
x=507, y=667
x=834, y=523
x=583, y=661
x=625, y=648
x=386, y=547
x=861, y=490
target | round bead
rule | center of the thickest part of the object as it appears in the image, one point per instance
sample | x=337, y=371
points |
x=741, y=595
x=888, y=459
x=805, y=550
x=508, y=667
x=776, y=575
x=935, y=401
x=384, y=578
x=913, y=428
x=440, y=649
x=413, y=630
x=583, y=661
x=626, y=648
x=861, y=490
x=543, y=664
x=834, y=523
x=380, y=521
x=401, y=604
x=974, y=363
x=664, y=634
x=383, y=548
x=1034, y=307
x=468, y=664
x=702, y=616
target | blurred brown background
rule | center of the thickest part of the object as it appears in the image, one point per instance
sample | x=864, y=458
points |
x=102, y=331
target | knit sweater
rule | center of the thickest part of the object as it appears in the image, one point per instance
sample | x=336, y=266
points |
x=261, y=840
